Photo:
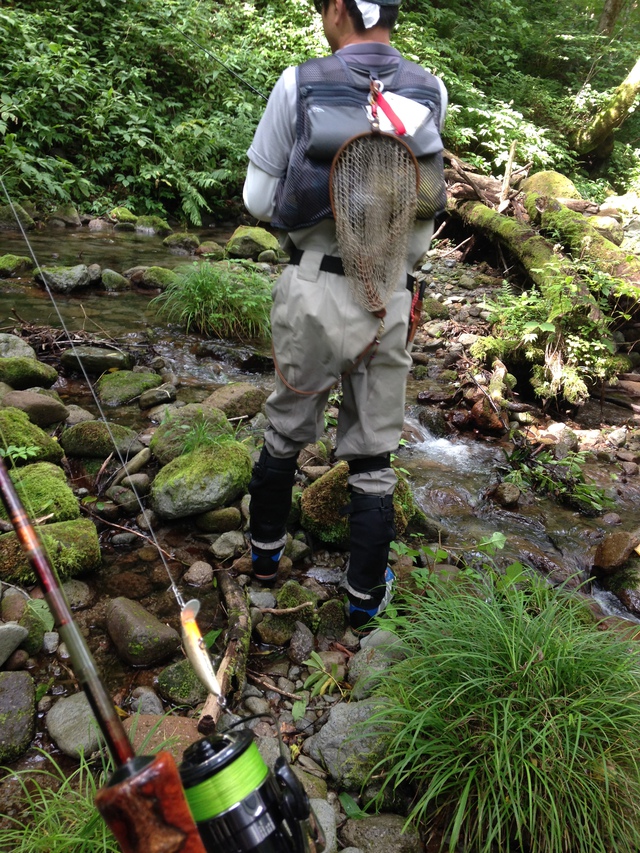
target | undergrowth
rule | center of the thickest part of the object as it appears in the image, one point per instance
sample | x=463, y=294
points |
x=512, y=719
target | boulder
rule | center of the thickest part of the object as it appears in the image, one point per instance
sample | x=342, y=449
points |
x=42, y=409
x=8, y=218
x=152, y=225
x=17, y=714
x=16, y=430
x=157, y=278
x=13, y=266
x=125, y=386
x=96, y=439
x=181, y=242
x=11, y=346
x=139, y=637
x=64, y=279
x=114, y=282
x=168, y=441
x=238, y=399
x=249, y=241
x=42, y=488
x=96, y=360
x=22, y=373
x=72, y=726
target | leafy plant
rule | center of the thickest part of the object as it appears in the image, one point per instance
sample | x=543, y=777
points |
x=512, y=719
x=223, y=300
x=322, y=679
x=12, y=452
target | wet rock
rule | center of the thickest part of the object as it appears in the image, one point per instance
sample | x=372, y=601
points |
x=219, y=520
x=8, y=215
x=13, y=604
x=327, y=820
x=331, y=619
x=198, y=574
x=97, y=440
x=248, y=242
x=205, y=479
x=17, y=661
x=156, y=278
x=11, y=346
x=77, y=415
x=113, y=282
x=339, y=748
x=11, y=636
x=165, y=393
x=485, y=418
x=614, y=550
x=229, y=545
x=43, y=488
x=506, y=494
x=50, y=642
x=13, y=266
x=179, y=684
x=124, y=498
x=168, y=441
x=40, y=408
x=144, y=700
x=618, y=437
x=278, y=629
x=125, y=386
x=17, y=714
x=386, y=832
x=433, y=420
x=211, y=249
x=139, y=637
x=140, y=483
x=182, y=241
x=238, y=399
x=72, y=726
x=21, y=372
x=64, y=279
x=96, y=360
x=611, y=518
x=132, y=468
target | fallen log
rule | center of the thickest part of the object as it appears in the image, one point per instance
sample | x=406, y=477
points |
x=232, y=671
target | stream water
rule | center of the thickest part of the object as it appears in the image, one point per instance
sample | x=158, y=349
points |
x=450, y=476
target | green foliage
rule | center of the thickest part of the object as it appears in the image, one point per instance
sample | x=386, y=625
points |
x=322, y=679
x=512, y=720
x=59, y=812
x=222, y=300
x=563, y=479
x=12, y=452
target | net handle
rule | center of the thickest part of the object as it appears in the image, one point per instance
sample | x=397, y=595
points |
x=368, y=133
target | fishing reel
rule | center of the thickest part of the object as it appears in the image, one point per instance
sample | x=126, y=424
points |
x=239, y=805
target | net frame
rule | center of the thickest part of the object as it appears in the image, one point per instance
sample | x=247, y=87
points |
x=373, y=187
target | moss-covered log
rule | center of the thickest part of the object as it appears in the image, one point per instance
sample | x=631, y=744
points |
x=599, y=130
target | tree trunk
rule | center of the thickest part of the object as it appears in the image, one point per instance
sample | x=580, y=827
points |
x=609, y=16
x=611, y=116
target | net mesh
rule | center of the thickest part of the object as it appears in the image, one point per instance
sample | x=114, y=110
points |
x=373, y=198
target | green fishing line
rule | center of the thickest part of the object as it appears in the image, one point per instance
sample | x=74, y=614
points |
x=227, y=787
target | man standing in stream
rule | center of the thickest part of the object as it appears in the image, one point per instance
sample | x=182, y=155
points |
x=321, y=334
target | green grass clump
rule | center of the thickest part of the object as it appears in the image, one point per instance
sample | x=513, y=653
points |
x=220, y=300
x=515, y=725
x=59, y=813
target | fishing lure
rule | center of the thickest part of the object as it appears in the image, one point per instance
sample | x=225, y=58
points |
x=196, y=650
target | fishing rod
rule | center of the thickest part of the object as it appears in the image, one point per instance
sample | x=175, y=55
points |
x=223, y=798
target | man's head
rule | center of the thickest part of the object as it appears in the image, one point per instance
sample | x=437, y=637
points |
x=366, y=14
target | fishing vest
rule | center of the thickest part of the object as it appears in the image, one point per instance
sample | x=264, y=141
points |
x=331, y=108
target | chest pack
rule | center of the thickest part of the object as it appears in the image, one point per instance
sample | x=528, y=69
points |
x=333, y=106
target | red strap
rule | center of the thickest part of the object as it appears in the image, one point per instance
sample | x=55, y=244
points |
x=398, y=126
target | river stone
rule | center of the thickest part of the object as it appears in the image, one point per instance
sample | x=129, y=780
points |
x=11, y=346
x=124, y=498
x=96, y=360
x=550, y=183
x=198, y=574
x=11, y=635
x=614, y=550
x=73, y=548
x=17, y=714
x=229, y=545
x=219, y=520
x=331, y=619
x=249, y=241
x=41, y=409
x=238, y=399
x=168, y=440
x=153, y=225
x=13, y=266
x=178, y=683
x=182, y=241
x=73, y=727
x=125, y=386
x=113, y=282
x=387, y=832
x=507, y=494
x=144, y=700
x=64, y=279
x=16, y=429
x=140, y=483
x=77, y=415
x=340, y=745
x=326, y=816
x=24, y=372
x=609, y=227
x=369, y=665
x=13, y=604
x=8, y=219
x=78, y=593
x=42, y=488
x=139, y=637
x=96, y=440
x=157, y=278
x=278, y=629
x=205, y=479
x=165, y=393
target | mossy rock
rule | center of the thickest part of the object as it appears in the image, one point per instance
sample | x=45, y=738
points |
x=179, y=684
x=96, y=440
x=68, y=214
x=435, y=309
x=168, y=440
x=182, y=240
x=550, y=183
x=249, y=241
x=8, y=219
x=22, y=373
x=43, y=490
x=17, y=430
x=205, y=479
x=321, y=504
x=122, y=214
x=153, y=225
x=72, y=548
x=276, y=630
x=212, y=250
x=158, y=278
x=125, y=386
x=12, y=266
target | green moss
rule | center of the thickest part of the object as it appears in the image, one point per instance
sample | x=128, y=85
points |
x=43, y=490
x=158, y=278
x=97, y=439
x=121, y=214
x=14, y=265
x=16, y=429
x=125, y=386
x=21, y=373
x=153, y=223
x=169, y=439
